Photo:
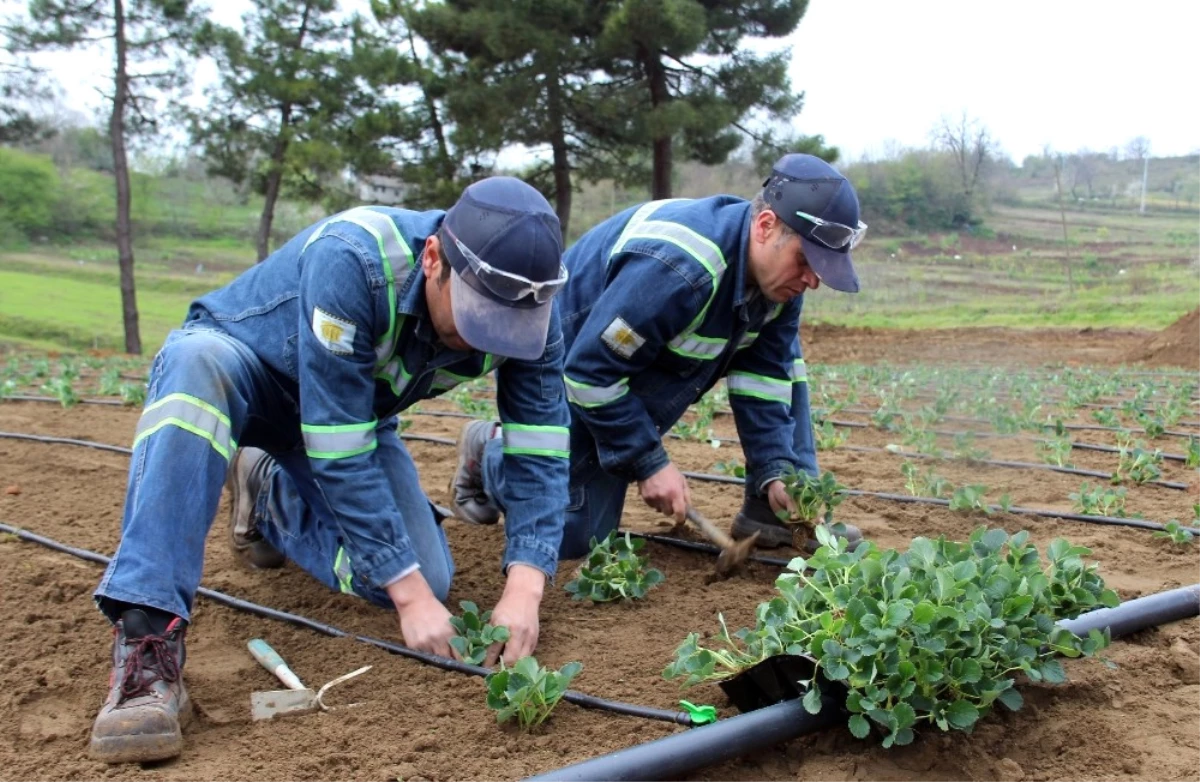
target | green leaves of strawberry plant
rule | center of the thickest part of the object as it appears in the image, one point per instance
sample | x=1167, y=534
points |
x=528, y=691
x=614, y=571
x=932, y=635
x=475, y=634
x=815, y=498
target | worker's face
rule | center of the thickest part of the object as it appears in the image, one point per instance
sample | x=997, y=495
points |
x=776, y=260
x=437, y=296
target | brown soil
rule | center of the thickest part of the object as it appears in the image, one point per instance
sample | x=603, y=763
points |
x=1137, y=722
x=1177, y=344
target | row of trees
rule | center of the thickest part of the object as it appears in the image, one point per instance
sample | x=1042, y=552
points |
x=430, y=92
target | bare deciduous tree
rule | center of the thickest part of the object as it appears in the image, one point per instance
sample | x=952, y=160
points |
x=971, y=144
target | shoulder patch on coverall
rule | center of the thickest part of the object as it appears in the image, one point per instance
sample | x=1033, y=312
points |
x=336, y=334
x=622, y=339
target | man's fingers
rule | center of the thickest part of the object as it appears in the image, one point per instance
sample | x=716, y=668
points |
x=493, y=655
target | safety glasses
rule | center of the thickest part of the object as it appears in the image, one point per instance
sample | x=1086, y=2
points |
x=835, y=236
x=506, y=285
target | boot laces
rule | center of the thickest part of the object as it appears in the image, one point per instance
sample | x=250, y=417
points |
x=151, y=660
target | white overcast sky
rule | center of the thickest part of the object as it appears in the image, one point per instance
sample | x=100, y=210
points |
x=1065, y=73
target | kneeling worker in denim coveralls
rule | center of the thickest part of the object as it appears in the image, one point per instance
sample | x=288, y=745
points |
x=308, y=357
x=664, y=300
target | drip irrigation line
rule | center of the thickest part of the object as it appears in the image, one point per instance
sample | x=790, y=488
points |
x=56, y=400
x=65, y=441
x=681, y=754
x=692, y=545
x=444, y=663
x=1175, y=457
x=1013, y=465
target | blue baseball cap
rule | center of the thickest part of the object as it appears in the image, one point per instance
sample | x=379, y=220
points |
x=504, y=244
x=802, y=187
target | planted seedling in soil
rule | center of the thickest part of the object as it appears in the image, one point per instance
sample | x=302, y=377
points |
x=970, y=498
x=1176, y=533
x=475, y=633
x=1138, y=465
x=924, y=484
x=815, y=498
x=935, y=635
x=965, y=448
x=829, y=436
x=1098, y=500
x=1106, y=417
x=1056, y=451
x=731, y=467
x=528, y=691
x=614, y=571
x=1193, y=453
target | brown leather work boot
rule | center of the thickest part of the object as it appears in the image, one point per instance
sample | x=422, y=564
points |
x=756, y=516
x=468, y=499
x=147, y=704
x=247, y=474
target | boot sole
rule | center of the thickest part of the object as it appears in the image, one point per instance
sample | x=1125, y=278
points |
x=260, y=554
x=141, y=747
x=769, y=535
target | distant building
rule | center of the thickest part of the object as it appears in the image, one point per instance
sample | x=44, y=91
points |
x=381, y=189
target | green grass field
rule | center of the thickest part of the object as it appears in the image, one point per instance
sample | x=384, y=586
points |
x=1127, y=271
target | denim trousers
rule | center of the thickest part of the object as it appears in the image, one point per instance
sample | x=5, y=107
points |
x=178, y=470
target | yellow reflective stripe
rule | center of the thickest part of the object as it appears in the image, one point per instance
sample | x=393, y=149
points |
x=799, y=371
x=338, y=441
x=343, y=572
x=190, y=414
x=536, y=440
x=594, y=396
x=759, y=387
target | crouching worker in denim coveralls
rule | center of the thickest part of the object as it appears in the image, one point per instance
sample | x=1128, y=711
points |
x=664, y=300
x=288, y=381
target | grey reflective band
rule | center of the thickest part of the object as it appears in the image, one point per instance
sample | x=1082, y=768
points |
x=343, y=572
x=640, y=226
x=759, y=387
x=338, y=442
x=536, y=440
x=395, y=375
x=799, y=371
x=747, y=340
x=190, y=414
x=392, y=247
x=594, y=396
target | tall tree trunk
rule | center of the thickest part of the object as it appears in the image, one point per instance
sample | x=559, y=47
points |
x=445, y=162
x=262, y=242
x=660, y=179
x=558, y=146
x=116, y=131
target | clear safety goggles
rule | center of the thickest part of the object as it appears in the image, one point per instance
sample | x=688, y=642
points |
x=835, y=236
x=506, y=285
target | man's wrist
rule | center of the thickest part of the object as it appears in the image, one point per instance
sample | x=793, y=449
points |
x=409, y=590
x=525, y=580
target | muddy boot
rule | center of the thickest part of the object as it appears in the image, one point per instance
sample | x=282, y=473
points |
x=147, y=704
x=468, y=499
x=756, y=516
x=247, y=477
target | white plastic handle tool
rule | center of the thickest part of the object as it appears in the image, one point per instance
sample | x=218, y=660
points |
x=271, y=660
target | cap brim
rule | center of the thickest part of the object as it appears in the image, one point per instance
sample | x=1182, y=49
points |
x=834, y=268
x=491, y=327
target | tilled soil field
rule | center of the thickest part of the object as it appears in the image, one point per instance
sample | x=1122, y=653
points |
x=1140, y=721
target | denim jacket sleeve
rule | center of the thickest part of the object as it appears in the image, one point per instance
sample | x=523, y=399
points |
x=535, y=426
x=647, y=303
x=762, y=389
x=343, y=315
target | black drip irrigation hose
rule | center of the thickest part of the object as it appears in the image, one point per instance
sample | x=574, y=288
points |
x=1175, y=457
x=1110, y=520
x=683, y=753
x=444, y=663
x=692, y=545
x=1015, y=465
x=56, y=400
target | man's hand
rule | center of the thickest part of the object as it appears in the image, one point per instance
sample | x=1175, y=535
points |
x=424, y=621
x=779, y=498
x=518, y=611
x=667, y=492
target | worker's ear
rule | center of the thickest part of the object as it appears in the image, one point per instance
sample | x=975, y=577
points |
x=431, y=259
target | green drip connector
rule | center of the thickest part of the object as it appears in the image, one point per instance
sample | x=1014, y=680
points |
x=701, y=715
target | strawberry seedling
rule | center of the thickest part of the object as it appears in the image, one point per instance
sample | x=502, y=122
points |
x=475, y=633
x=731, y=467
x=931, y=636
x=1056, y=451
x=1138, y=465
x=924, y=484
x=614, y=571
x=528, y=691
x=815, y=498
x=1176, y=533
x=970, y=498
x=1098, y=500
x=829, y=436
x=1106, y=417
x=1193, y=453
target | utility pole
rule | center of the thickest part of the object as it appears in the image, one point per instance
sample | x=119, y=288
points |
x=1145, y=176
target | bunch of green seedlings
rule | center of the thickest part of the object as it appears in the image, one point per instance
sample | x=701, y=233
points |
x=924, y=484
x=731, y=467
x=475, y=633
x=829, y=436
x=1176, y=533
x=966, y=448
x=967, y=499
x=528, y=691
x=1055, y=451
x=1138, y=465
x=1106, y=417
x=935, y=635
x=1098, y=500
x=814, y=497
x=614, y=571
x=1193, y=453
x=699, y=427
